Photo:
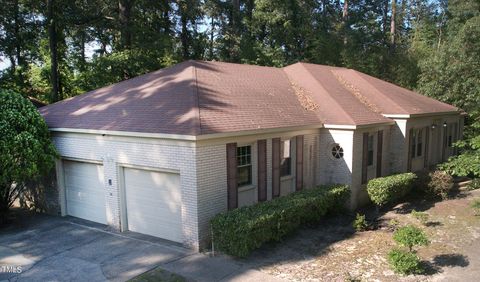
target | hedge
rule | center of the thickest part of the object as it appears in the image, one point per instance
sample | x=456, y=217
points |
x=387, y=190
x=238, y=232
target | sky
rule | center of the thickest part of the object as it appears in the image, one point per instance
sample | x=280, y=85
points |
x=89, y=51
x=4, y=63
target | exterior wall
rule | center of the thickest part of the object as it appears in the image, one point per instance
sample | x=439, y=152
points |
x=400, y=136
x=114, y=151
x=332, y=170
x=212, y=174
x=398, y=144
x=202, y=165
x=359, y=191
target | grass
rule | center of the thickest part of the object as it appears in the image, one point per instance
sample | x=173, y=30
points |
x=158, y=275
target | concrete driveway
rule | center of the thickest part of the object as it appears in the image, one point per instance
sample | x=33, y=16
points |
x=49, y=248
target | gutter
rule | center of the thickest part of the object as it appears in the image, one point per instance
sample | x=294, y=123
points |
x=405, y=116
x=182, y=136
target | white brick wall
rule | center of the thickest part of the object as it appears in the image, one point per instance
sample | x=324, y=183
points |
x=155, y=153
x=202, y=166
x=332, y=170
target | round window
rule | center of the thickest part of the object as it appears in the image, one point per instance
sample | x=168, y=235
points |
x=337, y=152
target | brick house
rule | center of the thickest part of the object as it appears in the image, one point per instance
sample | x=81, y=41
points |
x=164, y=152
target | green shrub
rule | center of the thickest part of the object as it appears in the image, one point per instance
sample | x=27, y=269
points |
x=420, y=216
x=240, y=231
x=360, y=223
x=404, y=262
x=26, y=151
x=410, y=236
x=441, y=183
x=384, y=190
x=474, y=185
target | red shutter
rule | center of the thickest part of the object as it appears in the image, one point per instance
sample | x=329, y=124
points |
x=299, y=163
x=365, y=158
x=232, y=176
x=262, y=170
x=410, y=143
x=275, y=167
x=427, y=145
x=379, y=153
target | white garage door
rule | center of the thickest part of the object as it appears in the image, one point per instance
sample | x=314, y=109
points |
x=153, y=203
x=84, y=185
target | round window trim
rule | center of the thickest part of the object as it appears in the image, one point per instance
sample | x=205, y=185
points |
x=337, y=151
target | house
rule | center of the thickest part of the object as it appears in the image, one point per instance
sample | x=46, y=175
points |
x=164, y=152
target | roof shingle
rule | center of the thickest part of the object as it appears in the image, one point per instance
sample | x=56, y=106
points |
x=196, y=97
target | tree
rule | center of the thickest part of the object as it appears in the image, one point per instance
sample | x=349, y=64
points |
x=26, y=151
x=410, y=236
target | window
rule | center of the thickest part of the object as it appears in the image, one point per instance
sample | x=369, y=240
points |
x=244, y=166
x=419, y=142
x=286, y=159
x=370, y=150
x=416, y=146
x=451, y=133
x=337, y=152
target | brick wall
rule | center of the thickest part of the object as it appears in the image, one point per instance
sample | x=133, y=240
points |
x=112, y=152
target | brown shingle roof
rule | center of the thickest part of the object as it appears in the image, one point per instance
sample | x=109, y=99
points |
x=190, y=98
x=338, y=104
x=196, y=97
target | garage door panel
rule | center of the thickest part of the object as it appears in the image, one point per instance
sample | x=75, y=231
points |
x=153, y=203
x=84, y=185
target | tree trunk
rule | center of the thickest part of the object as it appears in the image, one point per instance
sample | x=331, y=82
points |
x=17, y=33
x=184, y=34
x=124, y=16
x=393, y=24
x=212, y=34
x=385, y=21
x=344, y=21
x=53, y=43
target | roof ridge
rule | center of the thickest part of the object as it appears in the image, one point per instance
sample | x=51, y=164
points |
x=355, y=91
x=357, y=73
x=196, y=97
x=352, y=120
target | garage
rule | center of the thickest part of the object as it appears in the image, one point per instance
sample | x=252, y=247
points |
x=84, y=191
x=153, y=203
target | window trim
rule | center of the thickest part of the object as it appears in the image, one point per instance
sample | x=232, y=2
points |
x=333, y=149
x=371, y=137
x=417, y=136
x=290, y=158
x=249, y=185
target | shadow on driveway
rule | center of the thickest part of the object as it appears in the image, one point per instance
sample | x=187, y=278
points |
x=66, y=249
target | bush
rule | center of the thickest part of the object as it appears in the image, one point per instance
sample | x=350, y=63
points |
x=420, y=216
x=441, y=183
x=404, y=262
x=384, y=190
x=26, y=151
x=240, y=231
x=474, y=185
x=410, y=236
x=360, y=223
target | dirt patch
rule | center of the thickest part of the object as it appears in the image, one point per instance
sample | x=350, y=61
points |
x=332, y=251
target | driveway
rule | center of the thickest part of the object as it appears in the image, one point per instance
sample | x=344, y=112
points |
x=50, y=248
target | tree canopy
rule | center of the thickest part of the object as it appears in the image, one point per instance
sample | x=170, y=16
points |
x=57, y=48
